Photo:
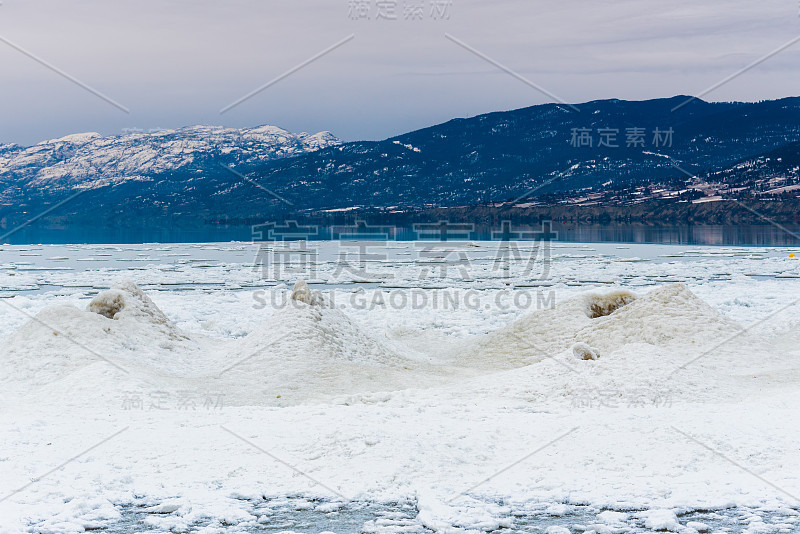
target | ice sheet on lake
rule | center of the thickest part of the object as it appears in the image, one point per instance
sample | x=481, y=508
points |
x=198, y=407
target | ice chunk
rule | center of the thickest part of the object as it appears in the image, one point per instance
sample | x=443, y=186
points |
x=660, y=520
x=165, y=508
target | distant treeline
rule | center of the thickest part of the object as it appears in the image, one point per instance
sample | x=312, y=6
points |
x=651, y=213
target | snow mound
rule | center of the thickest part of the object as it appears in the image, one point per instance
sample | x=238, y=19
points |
x=125, y=301
x=594, y=323
x=669, y=316
x=121, y=328
x=127, y=304
x=310, y=351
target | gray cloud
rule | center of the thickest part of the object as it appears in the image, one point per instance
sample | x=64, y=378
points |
x=178, y=62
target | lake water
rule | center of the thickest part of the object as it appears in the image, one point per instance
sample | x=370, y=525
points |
x=735, y=235
x=301, y=516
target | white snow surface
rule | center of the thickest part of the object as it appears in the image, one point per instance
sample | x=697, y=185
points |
x=193, y=401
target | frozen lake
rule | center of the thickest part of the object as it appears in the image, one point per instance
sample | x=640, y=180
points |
x=422, y=393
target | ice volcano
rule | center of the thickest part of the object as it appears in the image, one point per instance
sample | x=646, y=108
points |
x=306, y=351
x=596, y=323
x=121, y=328
x=310, y=349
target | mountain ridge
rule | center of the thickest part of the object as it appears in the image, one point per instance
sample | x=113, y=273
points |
x=528, y=154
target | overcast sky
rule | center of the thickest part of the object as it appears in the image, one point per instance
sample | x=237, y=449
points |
x=179, y=62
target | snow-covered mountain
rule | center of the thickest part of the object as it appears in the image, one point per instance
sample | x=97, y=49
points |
x=169, y=178
x=89, y=160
